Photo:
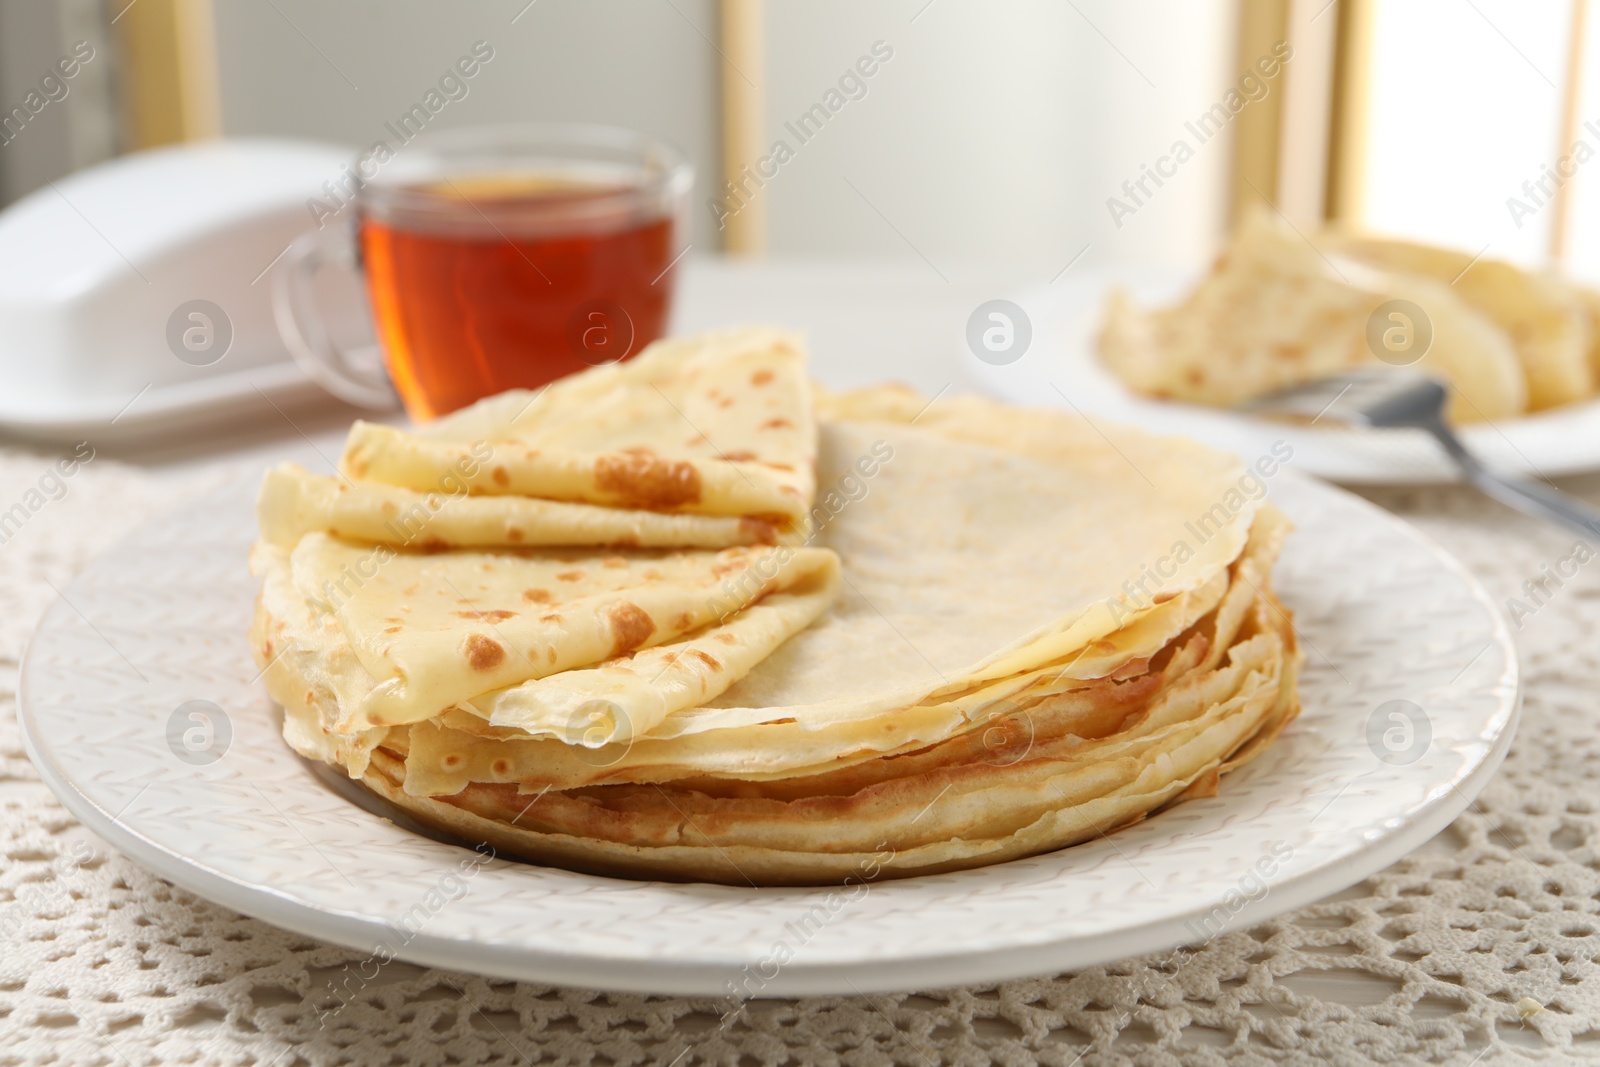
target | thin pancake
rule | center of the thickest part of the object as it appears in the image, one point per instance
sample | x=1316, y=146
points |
x=984, y=810
x=453, y=751
x=1542, y=315
x=430, y=631
x=717, y=424
x=294, y=502
x=627, y=697
x=1275, y=311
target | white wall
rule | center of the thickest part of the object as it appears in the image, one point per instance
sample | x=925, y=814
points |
x=75, y=121
x=339, y=69
x=996, y=131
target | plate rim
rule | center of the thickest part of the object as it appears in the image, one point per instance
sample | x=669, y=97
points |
x=635, y=974
x=699, y=978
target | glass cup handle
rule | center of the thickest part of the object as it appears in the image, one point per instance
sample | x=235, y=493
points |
x=362, y=383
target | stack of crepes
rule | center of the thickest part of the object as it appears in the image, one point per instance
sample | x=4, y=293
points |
x=1280, y=307
x=685, y=618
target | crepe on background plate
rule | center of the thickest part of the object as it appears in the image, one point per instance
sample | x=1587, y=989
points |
x=1545, y=318
x=1039, y=636
x=1278, y=309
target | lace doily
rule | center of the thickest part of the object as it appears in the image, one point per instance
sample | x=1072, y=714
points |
x=1480, y=946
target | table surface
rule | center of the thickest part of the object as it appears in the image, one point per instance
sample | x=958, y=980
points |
x=1479, y=947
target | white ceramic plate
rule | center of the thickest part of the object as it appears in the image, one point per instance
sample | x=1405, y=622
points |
x=1060, y=368
x=159, y=622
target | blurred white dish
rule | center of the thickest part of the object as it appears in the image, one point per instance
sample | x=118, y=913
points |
x=1060, y=368
x=134, y=297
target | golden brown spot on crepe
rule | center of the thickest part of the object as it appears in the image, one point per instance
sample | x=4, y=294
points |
x=483, y=653
x=652, y=575
x=761, y=377
x=357, y=462
x=1162, y=598
x=697, y=439
x=781, y=466
x=537, y=596
x=500, y=476
x=410, y=590
x=514, y=534
x=389, y=509
x=725, y=402
x=550, y=653
x=394, y=629
x=613, y=561
x=642, y=479
x=497, y=615
x=760, y=531
x=776, y=424
x=727, y=639
x=682, y=620
x=570, y=576
x=631, y=626
x=706, y=658
x=1194, y=376
x=266, y=648
x=741, y=456
x=500, y=766
x=554, y=616
x=451, y=761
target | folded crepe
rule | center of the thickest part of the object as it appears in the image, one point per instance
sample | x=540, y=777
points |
x=1040, y=635
x=450, y=753
x=385, y=604
x=432, y=631
x=295, y=502
x=1544, y=317
x=1276, y=311
x=718, y=424
x=1065, y=769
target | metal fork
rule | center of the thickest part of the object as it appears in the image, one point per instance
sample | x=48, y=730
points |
x=1386, y=399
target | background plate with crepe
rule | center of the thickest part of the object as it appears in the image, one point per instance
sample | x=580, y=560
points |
x=1061, y=367
x=1384, y=615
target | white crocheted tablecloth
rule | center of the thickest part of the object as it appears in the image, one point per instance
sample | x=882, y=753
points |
x=1480, y=947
